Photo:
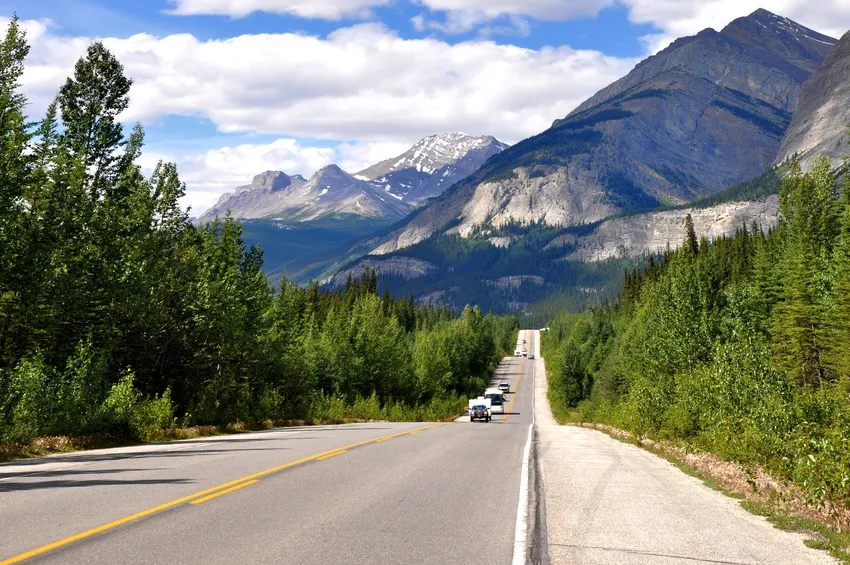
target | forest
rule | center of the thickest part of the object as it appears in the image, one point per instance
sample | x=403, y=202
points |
x=738, y=346
x=118, y=316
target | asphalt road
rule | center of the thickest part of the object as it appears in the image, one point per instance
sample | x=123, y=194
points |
x=371, y=493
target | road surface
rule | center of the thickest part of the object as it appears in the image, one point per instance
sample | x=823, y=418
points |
x=383, y=494
x=398, y=493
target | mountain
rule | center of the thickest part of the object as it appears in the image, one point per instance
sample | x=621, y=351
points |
x=330, y=192
x=820, y=122
x=432, y=165
x=707, y=112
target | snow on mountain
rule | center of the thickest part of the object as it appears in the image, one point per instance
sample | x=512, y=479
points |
x=432, y=166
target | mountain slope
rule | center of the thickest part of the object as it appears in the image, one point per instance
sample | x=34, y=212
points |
x=708, y=112
x=330, y=192
x=432, y=165
x=820, y=122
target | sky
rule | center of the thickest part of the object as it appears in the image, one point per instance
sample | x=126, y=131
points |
x=230, y=88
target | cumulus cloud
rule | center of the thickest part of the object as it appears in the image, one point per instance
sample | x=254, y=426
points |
x=677, y=18
x=321, y=9
x=360, y=83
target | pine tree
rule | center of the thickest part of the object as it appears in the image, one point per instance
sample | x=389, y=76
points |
x=808, y=205
x=691, y=242
x=90, y=103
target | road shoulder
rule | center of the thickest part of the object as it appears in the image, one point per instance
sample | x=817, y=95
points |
x=611, y=502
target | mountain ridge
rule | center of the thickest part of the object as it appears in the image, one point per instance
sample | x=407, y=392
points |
x=708, y=112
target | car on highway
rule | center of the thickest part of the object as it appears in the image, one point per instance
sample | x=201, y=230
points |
x=504, y=387
x=479, y=412
x=517, y=352
x=531, y=355
x=524, y=352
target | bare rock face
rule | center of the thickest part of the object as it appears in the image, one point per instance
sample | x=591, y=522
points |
x=432, y=165
x=651, y=233
x=820, y=122
x=330, y=192
x=708, y=112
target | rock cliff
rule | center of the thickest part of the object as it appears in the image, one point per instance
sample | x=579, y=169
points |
x=823, y=114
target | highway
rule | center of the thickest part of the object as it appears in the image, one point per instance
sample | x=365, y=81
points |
x=380, y=493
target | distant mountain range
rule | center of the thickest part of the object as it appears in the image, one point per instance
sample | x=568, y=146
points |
x=704, y=114
x=387, y=190
x=700, y=121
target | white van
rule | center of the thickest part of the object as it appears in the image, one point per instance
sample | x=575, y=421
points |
x=497, y=400
x=517, y=352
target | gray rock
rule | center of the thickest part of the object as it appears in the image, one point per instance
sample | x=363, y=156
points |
x=820, y=122
x=708, y=112
x=330, y=192
x=433, y=165
x=653, y=232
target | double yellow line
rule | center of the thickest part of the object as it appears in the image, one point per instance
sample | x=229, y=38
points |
x=205, y=495
x=513, y=397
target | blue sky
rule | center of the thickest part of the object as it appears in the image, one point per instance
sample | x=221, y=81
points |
x=230, y=88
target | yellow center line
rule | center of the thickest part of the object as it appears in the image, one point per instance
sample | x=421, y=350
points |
x=328, y=456
x=225, y=491
x=516, y=389
x=176, y=502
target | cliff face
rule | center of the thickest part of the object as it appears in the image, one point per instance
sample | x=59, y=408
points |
x=330, y=192
x=652, y=232
x=823, y=114
x=708, y=112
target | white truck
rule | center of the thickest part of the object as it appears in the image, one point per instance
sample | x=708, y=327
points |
x=479, y=409
x=497, y=400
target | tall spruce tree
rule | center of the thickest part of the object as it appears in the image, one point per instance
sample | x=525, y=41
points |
x=808, y=207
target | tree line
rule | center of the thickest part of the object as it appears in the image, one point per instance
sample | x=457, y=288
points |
x=739, y=346
x=118, y=315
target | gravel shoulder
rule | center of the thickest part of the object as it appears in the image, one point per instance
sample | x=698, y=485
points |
x=611, y=502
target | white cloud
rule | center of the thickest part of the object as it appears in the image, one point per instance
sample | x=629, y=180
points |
x=323, y=9
x=361, y=83
x=678, y=18
x=552, y=10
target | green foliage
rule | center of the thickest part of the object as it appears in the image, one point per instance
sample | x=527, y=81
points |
x=118, y=316
x=737, y=346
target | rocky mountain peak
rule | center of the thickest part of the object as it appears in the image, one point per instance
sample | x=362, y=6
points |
x=432, y=165
x=268, y=181
x=704, y=114
x=331, y=175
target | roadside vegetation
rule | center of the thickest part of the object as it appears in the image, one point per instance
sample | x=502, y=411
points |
x=738, y=347
x=118, y=317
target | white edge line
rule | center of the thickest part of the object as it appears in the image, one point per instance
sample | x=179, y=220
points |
x=521, y=535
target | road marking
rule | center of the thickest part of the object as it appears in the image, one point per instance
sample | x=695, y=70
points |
x=114, y=524
x=225, y=491
x=521, y=532
x=516, y=389
x=328, y=456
